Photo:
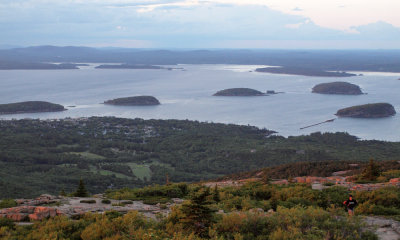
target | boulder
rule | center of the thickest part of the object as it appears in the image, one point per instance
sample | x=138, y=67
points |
x=300, y=179
x=41, y=213
x=17, y=217
x=17, y=213
x=394, y=180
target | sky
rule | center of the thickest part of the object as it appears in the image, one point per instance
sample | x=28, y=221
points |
x=302, y=24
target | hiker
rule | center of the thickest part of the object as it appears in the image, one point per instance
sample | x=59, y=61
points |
x=350, y=204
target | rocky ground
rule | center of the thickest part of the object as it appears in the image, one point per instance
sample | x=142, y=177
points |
x=386, y=229
x=49, y=206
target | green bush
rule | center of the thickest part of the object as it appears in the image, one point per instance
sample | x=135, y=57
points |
x=7, y=203
x=381, y=210
x=155, y=200
x=106, y=201
x=91, y=201
x=328, y=184
x=5, y=222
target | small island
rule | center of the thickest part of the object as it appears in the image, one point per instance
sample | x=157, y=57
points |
x=30, y=107
x=239, y=92
x=374, y=110
x=304, y=72
x=134, y=101
x=343, y=88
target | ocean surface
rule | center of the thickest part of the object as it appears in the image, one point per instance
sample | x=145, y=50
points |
x=187, y=94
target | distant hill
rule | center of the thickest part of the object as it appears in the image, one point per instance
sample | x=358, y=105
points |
x=322, y=60
x=30, y=107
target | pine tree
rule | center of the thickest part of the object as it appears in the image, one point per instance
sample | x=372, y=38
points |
x=81, y=191
x=62, y=193
x=197, y=215
x=371, y=172
x=216, y=196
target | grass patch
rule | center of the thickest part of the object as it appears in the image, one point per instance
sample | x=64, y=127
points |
x=60, y=146
x=141, y=170
x=102, y=172
x=88, y=155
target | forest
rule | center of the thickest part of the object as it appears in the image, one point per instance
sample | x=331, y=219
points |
x=48, y=156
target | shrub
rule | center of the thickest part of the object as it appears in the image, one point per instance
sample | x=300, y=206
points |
x=155, y=200
x=106, y=201
x=328, y=184
x=5, y=222
x=91, y=201
x=7, y=203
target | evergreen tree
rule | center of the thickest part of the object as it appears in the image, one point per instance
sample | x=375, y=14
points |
x=62, y=193
x=198, y=217
x=81, y=191
x=371, y=172
x=265, y=178
x=216, y=196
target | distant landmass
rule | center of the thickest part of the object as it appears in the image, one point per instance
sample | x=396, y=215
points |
x=322, y=61
x=375, y=110
x=128, y=66
x=344, y=88
x=30, y=107
x=239, y=92
x=10, y=65
x=134, y=101
x=304, y=72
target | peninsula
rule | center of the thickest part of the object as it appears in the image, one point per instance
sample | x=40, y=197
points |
x=134, y=101
x=30, y=107
x=343, y=88
x=374, y=110
x=13, y=65
x=128, y=66
x=304, y=72
x=242, y=92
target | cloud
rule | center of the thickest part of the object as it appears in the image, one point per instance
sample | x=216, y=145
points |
x=170, y=23
x=377, y=31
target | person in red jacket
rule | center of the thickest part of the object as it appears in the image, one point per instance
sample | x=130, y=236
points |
x=350, y=203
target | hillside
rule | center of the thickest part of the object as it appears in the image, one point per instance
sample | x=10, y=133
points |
x=251, y=209
x=30, y=107
x=47, y=156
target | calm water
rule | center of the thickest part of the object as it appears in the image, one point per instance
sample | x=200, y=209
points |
x=187, y=95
